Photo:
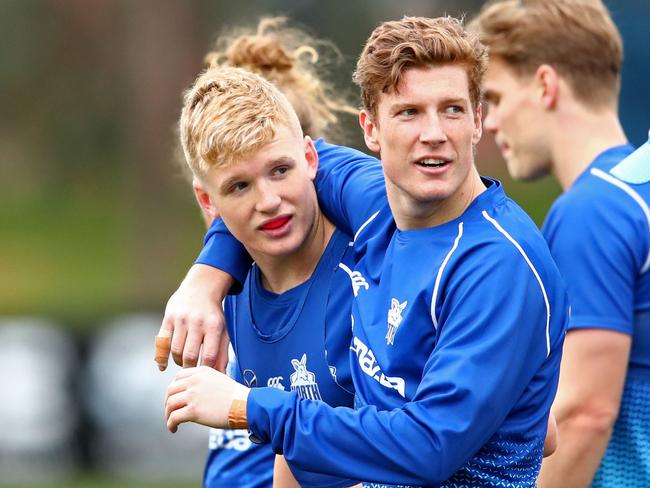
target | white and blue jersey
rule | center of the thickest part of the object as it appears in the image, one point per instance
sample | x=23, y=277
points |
x=295, y=341
x=599, y=234
x=456, y=345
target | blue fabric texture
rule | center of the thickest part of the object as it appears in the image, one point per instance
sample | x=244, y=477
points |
x=454, y=370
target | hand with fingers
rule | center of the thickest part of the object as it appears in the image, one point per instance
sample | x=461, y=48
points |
x=204, y=396
x=194, y=323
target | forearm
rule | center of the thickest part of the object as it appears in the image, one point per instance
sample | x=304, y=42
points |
x=582, y=444
x=282, y=476
x=222, y=251
x=366, y=443
x=592, y=376
x=214, y=281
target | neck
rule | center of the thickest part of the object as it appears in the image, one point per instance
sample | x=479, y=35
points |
x=281, y=273
x=410, y=214
x=591, y=132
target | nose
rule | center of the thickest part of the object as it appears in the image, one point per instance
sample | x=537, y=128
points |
x=433, y=132
x=268, y=199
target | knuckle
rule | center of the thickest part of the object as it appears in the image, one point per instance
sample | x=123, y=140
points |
x=189, y=356
x=209, y=358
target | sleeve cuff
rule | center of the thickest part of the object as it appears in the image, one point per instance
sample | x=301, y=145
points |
x=264, y=407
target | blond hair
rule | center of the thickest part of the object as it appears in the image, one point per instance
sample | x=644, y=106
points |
x=576, y=37
x=396, y=46
x=294, y=62
x=227, y=114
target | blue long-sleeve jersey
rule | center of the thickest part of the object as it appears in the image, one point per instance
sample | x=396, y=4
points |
x=457, y=341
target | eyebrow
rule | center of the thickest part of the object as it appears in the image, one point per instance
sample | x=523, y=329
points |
x=455, y=100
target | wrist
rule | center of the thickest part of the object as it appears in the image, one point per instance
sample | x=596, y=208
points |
x=237, y=418
x=237, y=415
x=207, y=277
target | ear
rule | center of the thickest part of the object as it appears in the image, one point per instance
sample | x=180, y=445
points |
x=370, y=134
x=311, y=155
x=478, y=124
x=204, y=200
x=303, y=360
x=547, y=80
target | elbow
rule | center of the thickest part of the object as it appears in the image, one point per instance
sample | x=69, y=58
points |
x=592, y=422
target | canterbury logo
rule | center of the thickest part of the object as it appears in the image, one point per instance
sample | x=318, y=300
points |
x=357, y=279
x=369, y=366
x=358, y=282
x=275, y=382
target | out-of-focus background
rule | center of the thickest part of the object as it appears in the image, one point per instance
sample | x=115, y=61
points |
x=98, y=223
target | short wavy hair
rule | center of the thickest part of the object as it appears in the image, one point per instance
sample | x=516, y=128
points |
x=396, y=46
x=229, y=113
x=576, y=37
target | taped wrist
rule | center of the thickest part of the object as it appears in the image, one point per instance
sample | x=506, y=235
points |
x=237, y=415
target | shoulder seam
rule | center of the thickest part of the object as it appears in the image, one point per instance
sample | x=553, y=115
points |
x=372, y=217
x=632, y=194
x=434, y=295
x=535, y=273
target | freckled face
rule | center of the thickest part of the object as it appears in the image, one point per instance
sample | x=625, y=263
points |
x=425, y=132
x=268, y=200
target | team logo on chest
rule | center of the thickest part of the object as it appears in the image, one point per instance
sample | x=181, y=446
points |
x=303, y=381
x=394, y=319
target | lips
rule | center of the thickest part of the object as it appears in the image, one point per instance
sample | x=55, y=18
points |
x=276, y=223
x=432, y=163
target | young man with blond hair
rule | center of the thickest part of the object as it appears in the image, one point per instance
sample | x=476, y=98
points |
x=454, y=371
x=253, y=168
x=552, y=90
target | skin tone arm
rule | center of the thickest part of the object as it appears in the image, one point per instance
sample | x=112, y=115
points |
x=282, y=476
x=550, y=442
x=194, y=320
x=592, y=376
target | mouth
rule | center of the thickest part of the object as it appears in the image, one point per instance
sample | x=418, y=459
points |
x=433, y=164
x=275, y=224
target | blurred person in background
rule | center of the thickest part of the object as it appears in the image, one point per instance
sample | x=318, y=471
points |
x=293, y=61
x=552, y=89
x=420, y=398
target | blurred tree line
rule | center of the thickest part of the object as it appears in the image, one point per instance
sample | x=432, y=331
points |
x=96, y=216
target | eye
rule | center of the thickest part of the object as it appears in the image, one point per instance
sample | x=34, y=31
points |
x=455, y=109
x=280, y=170
x=238, y=187
x=407, y=112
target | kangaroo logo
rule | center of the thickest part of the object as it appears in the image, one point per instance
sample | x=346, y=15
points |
x=303, y=381
x=394, y=319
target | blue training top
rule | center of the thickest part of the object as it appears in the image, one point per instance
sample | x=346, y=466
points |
x=599, y=235
x=455, y=371
x=294, y=341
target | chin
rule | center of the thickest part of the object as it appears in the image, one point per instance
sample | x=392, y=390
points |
x=527, y=170
x=283, y=249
